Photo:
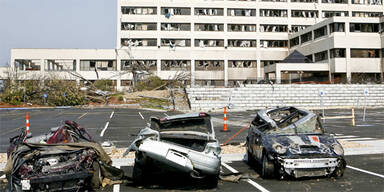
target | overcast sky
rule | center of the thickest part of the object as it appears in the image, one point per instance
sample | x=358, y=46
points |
x=56, y=24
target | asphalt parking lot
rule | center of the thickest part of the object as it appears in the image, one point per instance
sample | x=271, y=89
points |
x=365, y=171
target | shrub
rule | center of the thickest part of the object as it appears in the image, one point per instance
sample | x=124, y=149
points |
x=150, y=83
x=104, y=84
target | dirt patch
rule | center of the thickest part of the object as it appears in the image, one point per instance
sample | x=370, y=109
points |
x=233, y=149
x=351, y=144
x=160, y=94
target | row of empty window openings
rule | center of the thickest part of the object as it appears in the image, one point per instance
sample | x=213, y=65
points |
x=341, y=53
x=210, y=27
x=248, y=12
x=204, y=43
x=49, y=65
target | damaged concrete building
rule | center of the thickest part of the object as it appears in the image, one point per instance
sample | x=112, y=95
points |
x=227, y=42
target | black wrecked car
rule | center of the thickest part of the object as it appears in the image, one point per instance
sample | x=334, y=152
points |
x=291, y=142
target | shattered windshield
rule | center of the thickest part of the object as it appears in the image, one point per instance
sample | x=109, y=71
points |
x=311, y=126
x=190, y=124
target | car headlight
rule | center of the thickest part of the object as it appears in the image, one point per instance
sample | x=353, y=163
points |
x=214, y=148
x=338, y=149
x=279, y=148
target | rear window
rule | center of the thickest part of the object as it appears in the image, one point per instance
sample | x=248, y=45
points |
x=191, y=124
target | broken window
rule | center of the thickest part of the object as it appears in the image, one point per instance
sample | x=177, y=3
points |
x=337, y=53
x=295, y=41
x=170, y=11
x=209, y=65
x=175, y=26
x=175, y=65
x=209, y=27
x=321, y=56
x=365, y=53
x=274, y=0
x=128, y=65
x=175, y=43
x=337, y=27
x=125, y=83
x=304, y=1
x=209, y=11
x=265, y=63
x=139, y=10
x=273, y=28
x=273, y=13
x=297, y=28
x=209, y=43
x=367, y=2
x=320, y=32
x=364, y=27
x=335, y=1
x=139, y=26
x=28, y=64
x=273, y=43
x=306, y=37
x=60, y=65
x=366, y=14
x=242, y=64
x=102, y=65
x=304, y=13
x=241, y=12
x=138, y=42
x=310, y=57
x=327, y=14
x=241, y=43
x=241, y=28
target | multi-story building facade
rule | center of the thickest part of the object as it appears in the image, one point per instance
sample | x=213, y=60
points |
x=216, y=42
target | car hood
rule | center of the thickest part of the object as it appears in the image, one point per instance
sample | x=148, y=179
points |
x=302, y=144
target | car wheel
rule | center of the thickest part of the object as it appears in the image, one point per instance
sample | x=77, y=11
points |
x=250, y=159
x=339, y=171
x=267, y=168
x=138, y=174
x=212, y=180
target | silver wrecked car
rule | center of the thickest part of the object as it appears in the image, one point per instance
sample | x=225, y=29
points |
x=182, y=143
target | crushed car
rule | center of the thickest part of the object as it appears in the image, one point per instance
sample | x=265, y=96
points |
x=288, y=141
x=183, y=143
x=65, y=159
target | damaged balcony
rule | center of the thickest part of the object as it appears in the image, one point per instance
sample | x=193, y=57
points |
x=273, y=13
x=209, y=43
x=273, y=28
x=138, y=26
x=297, y=28
x=241, y=28
x=139, y=10
x=175, y=65
x=175, y=26
x=241, y=43
x=327, y=14
x=209, y=11
x=28, y=64
x=172, y=43
x=274, y=43
x=209, y=27
x=138, y=42
x=241, y=12
x=129, y=65
x=60, y=65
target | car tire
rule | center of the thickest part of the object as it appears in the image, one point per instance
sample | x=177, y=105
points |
x=250, y=159
x=267, y=168
x=339, y=171
x=138, y=174
x=212, y=180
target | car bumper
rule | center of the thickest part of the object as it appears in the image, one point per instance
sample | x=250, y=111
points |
x=182, y=159
x=309, y=167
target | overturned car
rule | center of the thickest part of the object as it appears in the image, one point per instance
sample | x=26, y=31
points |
x=65, y=159
x=180, y=143
x=290, y=141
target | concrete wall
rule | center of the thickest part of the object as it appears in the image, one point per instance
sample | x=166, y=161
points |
x=307, y=96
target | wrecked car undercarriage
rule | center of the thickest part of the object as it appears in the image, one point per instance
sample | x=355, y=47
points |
x=66, y=159
x=181, y=143
x=291, y=141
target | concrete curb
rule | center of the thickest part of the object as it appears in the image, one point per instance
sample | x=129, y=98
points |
x=31, y=108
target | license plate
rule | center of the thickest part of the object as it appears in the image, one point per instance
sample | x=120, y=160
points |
x=177, y=158
x=25, y=185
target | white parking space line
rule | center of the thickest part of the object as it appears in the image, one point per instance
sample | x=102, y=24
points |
x=364, y=171
x=166, y=114
x=113, y=112
x=141, y=115
x=105, y=128
x=344, y=136
x=357, y=139
x=253, y=183
x=82, y=115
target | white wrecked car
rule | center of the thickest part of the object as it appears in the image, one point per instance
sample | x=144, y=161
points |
x=182, y=143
